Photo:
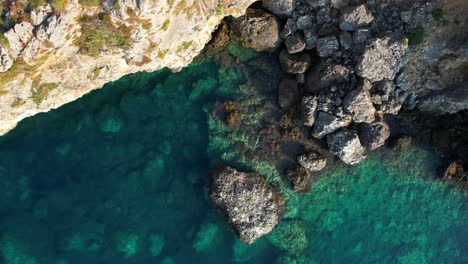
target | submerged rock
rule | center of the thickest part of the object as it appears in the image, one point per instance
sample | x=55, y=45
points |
x=401, y=144
x=290, y=236
x=455, y=173
x=251, y=206
x=382, y=58
x=346, y=145
x=287, y=93
x=300, y=179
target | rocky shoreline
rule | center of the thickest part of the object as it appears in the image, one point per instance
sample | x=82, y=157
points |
x=347, y=72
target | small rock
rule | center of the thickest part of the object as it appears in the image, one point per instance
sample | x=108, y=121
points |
x=295, y=43
x=358, y=103
x=374, y=135
x=309, y=110
x=287, y=93
x=327, y=46
x=310, y=38
x=258, y=30
x=382, y=58
x=318, y=3
x=289, y=28
x=401, y=144
x=334, y=74
x=338, y=4
x=354, y=17
x=455, y=173
x=346, y=40
x=312, y=161
x=346, y=145
x=252, y=207
x=327, y=123
x=5, y=60
x=304, y=22
x=281, y=8
x=294, y=63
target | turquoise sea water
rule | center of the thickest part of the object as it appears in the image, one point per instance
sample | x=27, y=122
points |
x=120, y=176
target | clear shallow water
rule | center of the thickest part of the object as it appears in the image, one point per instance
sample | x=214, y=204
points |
x=119, y=176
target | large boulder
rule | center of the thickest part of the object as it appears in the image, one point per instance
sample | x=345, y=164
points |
x=258, y=30
x=346, y=145
x=354, y=17
x=251, y=206
x=327, y=123
x=309, y=110
x=294, y=63
x=382, y=58
x=359, y=104
x=374, y=135
x=287, y=93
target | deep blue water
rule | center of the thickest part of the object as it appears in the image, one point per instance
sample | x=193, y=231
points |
x=119, y=176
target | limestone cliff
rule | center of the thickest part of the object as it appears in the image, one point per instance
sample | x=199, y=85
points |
x=54, y=53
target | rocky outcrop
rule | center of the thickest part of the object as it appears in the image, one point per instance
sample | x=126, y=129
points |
x=49, y=60
x=354, y=17
x=312, y=162
x=327, y=123
x=346, y=145
x=309, y=110
x=258, y=30
x=358, y=103
x=251, y=207
x=401, y=143
x=374, y=135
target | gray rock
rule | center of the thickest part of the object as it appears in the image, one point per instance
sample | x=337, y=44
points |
x=287, y=93
x=346, y=145
x=258, y=30
x=346, y=40
x=361, y=37
x=309, y=110
x=289, y=28
x=318, y=3
x=294, y=63
x=401, y=143
x=374, y=135
x=382, y=58
x=5, y=60
x=354, y=17
x=358, y=103
x=327, y=46
x=295, y=43
x=304, y=22
x=310, y=38
x=327, y=123
x=251, y=207
x=281, y=8
x=312, y=161
x=338, y=4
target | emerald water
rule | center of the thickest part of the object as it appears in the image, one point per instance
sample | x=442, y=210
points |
x=120, y=176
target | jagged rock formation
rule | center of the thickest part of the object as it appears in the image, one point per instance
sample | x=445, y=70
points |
x=252, y=207
x=58, y=55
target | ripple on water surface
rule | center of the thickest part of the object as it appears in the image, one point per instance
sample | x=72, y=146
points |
x=119, y=176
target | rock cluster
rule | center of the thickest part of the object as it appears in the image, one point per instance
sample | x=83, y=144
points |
x=251, y=206
x=345, y=56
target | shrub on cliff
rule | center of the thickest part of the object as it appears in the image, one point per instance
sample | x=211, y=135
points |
x=90, y=3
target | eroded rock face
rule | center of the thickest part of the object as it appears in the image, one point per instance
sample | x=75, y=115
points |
x=258, y=30
x=382, y=58
x=251, y=207
x=45, y=49
x=346, y=145
x=309, y=110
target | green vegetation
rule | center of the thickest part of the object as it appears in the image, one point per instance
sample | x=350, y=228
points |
x=165, y=24
x=184, y=46
x=99, y=34
x=438, y=14
x=59, y=5
x=40, y=93
x=244, y=54
x=35, y=4
x=218, y=10
x=4, y=41
x=416, y=36
x=90, y=3
x=162, y=53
